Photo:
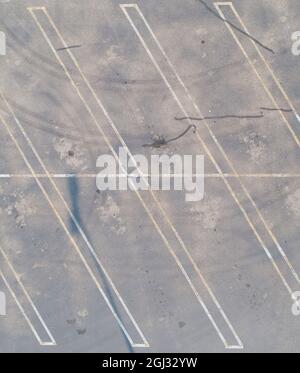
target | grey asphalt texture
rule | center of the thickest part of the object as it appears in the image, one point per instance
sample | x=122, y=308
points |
x=227, y=235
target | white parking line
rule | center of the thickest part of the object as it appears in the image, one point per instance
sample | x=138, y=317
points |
x=266, y=250
x=93, y=176
x=91, y=249
x=277, y=82
x=51, y=341
x=111, y=123
x=217, y=4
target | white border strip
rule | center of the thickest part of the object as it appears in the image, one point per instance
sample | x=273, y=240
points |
x=93, y=175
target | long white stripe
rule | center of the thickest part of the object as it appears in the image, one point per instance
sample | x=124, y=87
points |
x=52, y=341
x=137, y=193
x=217, y=4
x=135, y=6
x=280, y=249
x=93, y=176
x=119, y=321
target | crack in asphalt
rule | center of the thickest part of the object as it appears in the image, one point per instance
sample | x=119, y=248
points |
x=235, y=116
x=161, y=141
x=216, y=14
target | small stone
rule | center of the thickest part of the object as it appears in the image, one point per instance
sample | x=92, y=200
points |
x=181, y=324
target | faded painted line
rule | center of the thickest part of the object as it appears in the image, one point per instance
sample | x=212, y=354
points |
x=288, y=100
x=73, y=242
x=111, y=123
x=280, y=249
x=51, y=341
x=203, y=144
x=93, y=176
x=135, y=6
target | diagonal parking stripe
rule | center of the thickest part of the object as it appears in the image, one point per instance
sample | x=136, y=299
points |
x=191, y=101
x=76, y=223
x=216, y=304
x=260, y=78
x=267, y=90
x=31, y=323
